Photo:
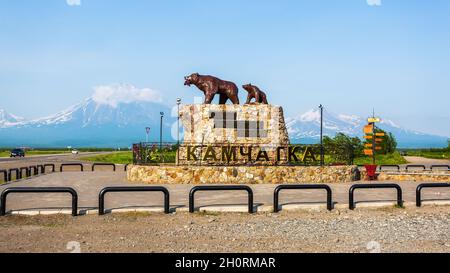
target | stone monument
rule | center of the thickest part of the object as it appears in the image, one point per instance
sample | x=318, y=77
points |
x=232, y=134
x=233, y=143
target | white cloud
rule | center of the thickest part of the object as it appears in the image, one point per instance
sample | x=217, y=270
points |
x=73, y=2
x=124, y=93
x=374, y=2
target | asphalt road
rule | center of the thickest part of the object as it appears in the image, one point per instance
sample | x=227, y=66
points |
x=7, y=162
x=426, y=161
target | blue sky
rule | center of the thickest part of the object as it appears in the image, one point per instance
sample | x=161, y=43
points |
x=348, y=55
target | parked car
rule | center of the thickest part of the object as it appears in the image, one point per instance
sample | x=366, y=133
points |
x=74, y=152
x=17, y=153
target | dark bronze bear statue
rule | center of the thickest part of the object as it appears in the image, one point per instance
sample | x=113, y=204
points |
x=255, y=93
x=211, y=86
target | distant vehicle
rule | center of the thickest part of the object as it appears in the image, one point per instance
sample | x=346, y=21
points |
x=17, y=153
x=74, y=152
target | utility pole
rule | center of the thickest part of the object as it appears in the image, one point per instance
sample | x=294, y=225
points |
x=178, y=121
x=374, y=137
x=160, y=130
x=147, y=131
x=160, y=137
x=178, y=130
x=321, y=136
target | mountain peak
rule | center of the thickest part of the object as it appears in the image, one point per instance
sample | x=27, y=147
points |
x=306, y=128
x=312, y=115
x=7, y=119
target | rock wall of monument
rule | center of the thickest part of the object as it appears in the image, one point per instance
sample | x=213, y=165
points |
x=237, y=124
x=238, y=174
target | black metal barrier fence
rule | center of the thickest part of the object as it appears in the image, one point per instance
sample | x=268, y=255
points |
x=427, y=185
x=301, y=187
x=221, y=188
x=165, y=191
x=16, y=170
x=49, y=165
x=389, y=166
x=5, y=175
x=71, y=164
x=374, y=186
x=101, y=195
x=104, y=164
x=27, y=171
x=415, y=166
x=34, y=170
x=39, y=190
x=440, y=166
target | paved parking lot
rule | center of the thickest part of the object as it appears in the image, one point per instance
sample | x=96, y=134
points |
x=88, y=185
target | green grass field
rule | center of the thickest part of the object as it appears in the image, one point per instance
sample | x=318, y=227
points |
x=434, y=154
x=125, y=157
x=389, y=159
x=117, y=158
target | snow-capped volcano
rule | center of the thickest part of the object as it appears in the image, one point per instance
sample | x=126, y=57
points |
x=90, y=113
x=119, y=105
x=308, y=124
x=7, y=119
x=114, y=116
x=305, y=128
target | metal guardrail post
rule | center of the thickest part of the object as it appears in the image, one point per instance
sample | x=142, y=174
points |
x=5, y=175
x=374, y=186
x=440, y=166
x=17, y=171
x=27, y=171
x=101, y=195
x=221, y=188
x=7, y=191
x=33, y=170
x=301, y=187
x=390, y=166
x=416, y=166
x=104, y=164
x=42, y=168
x=427, y=185
x=49, y=165
x=71, y=164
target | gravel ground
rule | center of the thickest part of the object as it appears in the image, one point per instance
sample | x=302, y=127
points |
x=425, y=229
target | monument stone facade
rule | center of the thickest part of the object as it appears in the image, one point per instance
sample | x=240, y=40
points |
x=232, y=134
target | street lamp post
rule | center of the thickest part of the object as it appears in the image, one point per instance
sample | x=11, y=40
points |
x=147, y=131
x=321, y=136
x=160, y=137
x=160, y=130
x=178, y=130
x=178, y=121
